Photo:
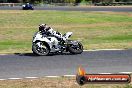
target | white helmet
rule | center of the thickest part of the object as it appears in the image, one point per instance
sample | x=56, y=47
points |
x=42, y=27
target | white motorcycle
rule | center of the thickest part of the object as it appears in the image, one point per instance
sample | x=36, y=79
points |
x=44, y=45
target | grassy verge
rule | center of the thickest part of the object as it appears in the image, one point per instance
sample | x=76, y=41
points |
x=64, y=82
x=95, y=29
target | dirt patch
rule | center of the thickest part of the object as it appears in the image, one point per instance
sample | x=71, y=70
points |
x=62, y=82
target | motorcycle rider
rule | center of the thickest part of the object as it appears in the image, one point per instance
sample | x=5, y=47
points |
x=48, y=31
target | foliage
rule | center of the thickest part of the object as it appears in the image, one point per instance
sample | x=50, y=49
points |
x=49, y=1
x=64, y=1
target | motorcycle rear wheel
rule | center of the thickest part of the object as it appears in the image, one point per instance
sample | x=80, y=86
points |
x=76, y=50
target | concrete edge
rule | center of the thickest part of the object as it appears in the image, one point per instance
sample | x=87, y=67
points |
x=104, y=49
x=58, y=76
x=2, y=54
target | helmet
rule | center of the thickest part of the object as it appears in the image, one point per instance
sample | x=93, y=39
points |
x=42, y=27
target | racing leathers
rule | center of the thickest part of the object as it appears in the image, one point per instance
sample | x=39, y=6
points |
x=48, y=31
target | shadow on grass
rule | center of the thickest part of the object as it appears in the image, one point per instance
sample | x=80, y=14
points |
x=34, y=55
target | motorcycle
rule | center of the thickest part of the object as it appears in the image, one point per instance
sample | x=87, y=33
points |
x=27, y=7
x=44, y=45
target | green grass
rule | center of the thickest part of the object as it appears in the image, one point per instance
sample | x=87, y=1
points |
x=96, y=30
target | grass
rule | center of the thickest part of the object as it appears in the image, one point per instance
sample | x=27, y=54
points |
x=96, y=30
x=63, y=82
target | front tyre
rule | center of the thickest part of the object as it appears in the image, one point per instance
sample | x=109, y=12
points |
x=76, y=49
x=40, y=48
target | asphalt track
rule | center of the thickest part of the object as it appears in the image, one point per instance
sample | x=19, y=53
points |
x=66, y=8
x=29, y=65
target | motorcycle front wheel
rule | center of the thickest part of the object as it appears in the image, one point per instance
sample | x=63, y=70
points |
x=76, y=49
x=41, y=49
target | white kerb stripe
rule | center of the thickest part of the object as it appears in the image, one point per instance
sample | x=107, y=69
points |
x=2, y=79
x=31, y=77
x=105, y=73
x=52, y=76
x=126, y=72
x=69, y=75
x=14, y=78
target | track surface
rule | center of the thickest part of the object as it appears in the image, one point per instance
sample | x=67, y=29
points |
x=28, y=65
x=23, y=65
x=64, y=8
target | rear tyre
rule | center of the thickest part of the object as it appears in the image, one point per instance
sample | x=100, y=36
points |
x=76, y=49
x=41, y=50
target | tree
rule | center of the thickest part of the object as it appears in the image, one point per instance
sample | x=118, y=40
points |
x=78, y=1
x=15, y=1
